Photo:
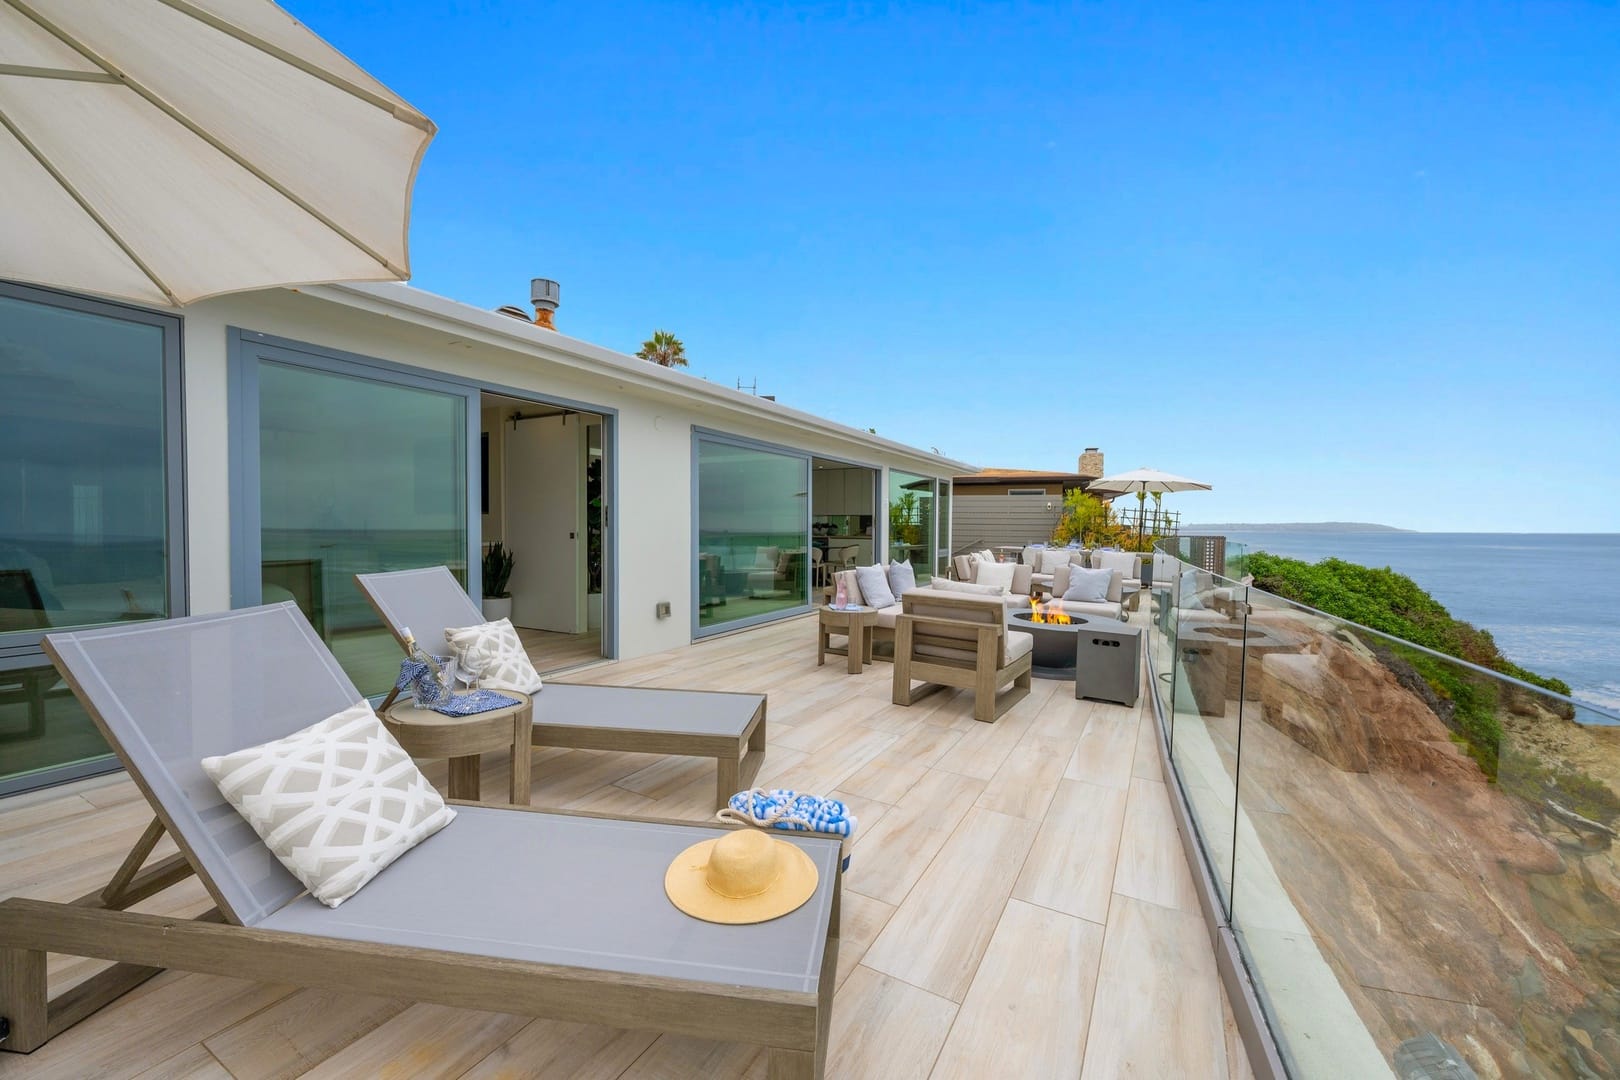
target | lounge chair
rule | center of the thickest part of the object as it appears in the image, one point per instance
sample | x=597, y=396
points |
x=530, y=912
x=729, y=727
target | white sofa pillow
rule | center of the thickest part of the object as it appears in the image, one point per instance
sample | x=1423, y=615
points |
x=1052, y=558
x=985, y=556
x=335, y=803
x=874, y=583
x=493, y=653
x=902, y=576
x=1088, y=585
x=998, y=574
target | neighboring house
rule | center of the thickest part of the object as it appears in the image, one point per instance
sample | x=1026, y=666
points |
x=268, y=446
x=1016, y=506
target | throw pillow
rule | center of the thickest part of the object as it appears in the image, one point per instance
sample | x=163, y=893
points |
x=985, y=556
x=493, y=654
x=1052, y=558
x=1088, y=586
x=902, y=576
x=998, y=574
x=874, y=583
x=335, y=803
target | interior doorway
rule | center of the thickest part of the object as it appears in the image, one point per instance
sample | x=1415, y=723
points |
x=542, y=499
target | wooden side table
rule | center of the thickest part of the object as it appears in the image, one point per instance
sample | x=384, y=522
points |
x=462, y=739
x=856, y=624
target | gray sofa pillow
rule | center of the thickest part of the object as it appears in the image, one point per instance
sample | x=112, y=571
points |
x=874, y=583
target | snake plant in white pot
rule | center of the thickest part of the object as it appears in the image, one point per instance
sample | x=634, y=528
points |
x=498, y=562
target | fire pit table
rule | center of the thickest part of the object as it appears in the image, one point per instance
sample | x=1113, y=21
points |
x=1054, y=641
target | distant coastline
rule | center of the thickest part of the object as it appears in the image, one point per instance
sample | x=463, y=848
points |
x=1297, y=527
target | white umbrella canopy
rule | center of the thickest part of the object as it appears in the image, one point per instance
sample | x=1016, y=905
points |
x=1143, y=482
x=167, y=150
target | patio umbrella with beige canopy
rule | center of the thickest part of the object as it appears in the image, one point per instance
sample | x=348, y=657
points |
x=166, y=150
x=1142, y=482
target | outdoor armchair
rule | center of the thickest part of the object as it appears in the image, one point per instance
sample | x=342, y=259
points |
x=947, y=639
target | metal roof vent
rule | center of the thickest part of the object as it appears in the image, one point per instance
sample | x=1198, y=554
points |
x=544, y=295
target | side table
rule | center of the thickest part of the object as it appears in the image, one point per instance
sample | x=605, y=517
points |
x=856, y=624
x=462, y=739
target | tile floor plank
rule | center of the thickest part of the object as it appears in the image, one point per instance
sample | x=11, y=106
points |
x=1027, y=1011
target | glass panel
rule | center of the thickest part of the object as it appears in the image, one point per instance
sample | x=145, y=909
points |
x=753, y=519
x=911, y=522
x=1208, y=638
x=1423, y=857
x=356, y=476
x=83, y=499
x=42, y=727
x=942, y=565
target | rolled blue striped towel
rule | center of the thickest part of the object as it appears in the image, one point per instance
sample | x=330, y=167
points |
x=783, y=809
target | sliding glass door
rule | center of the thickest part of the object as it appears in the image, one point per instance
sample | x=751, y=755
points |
x=347, y=469
x=752, y=525
x=91, y=510
x=911, y=521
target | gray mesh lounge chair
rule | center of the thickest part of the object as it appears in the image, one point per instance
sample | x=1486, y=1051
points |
x=728, y=727
x=519, y=911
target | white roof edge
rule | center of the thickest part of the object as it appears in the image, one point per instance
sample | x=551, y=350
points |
x=426, y=308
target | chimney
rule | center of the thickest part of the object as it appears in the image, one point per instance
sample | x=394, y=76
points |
x=543, y=294
x=1091, y=464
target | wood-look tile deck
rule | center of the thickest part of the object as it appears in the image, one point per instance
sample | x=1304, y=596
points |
x=1017, y=904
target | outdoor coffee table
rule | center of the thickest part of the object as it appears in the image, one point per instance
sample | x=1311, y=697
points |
x=462, y=739
x=856, y=623
x=729, y=727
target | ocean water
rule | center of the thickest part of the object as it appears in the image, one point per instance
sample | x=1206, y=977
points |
x=1551, y=600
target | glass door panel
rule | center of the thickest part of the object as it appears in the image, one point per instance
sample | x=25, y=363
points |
x=911, y=522
x=753, y=526
x=356, y=475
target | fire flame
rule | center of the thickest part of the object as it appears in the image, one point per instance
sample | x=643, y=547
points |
x=1048, y=613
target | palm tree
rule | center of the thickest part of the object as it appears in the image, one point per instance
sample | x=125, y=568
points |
x=663, y=349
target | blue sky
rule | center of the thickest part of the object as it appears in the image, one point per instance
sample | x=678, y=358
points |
x=1343, y=262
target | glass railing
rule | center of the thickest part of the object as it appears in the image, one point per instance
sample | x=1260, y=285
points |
x=1415, y=855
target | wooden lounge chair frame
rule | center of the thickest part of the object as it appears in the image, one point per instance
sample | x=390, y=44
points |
x=972, y=628
x=737, y=756
x=793, y=1026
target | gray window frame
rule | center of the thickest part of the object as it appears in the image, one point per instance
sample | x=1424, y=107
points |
x=246, y=347
x=21, y=649
x=703, y=434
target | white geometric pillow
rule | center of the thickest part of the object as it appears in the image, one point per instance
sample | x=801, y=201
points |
x=492, y=653
x=336, y=802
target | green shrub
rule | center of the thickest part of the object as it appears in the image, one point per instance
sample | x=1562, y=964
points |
x=1394, y=604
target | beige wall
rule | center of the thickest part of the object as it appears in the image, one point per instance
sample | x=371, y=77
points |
x=493, y=523
x=653, y=515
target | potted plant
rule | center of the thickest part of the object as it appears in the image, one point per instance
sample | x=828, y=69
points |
x=498, y=562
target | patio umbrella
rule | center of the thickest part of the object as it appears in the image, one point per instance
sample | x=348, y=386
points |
x=167, y=150
x=1142, y=482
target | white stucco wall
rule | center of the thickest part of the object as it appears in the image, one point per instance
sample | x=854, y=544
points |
x=656, y=415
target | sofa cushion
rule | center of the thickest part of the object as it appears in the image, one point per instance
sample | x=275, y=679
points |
x=902, y=576
x=874, y=582
x=970, y=587
x=1022, y=575
x=997, y=574
x=1020, y=643
x=1101, y=609
x=1088, y=585
x=886, y=617
x=1031, y=555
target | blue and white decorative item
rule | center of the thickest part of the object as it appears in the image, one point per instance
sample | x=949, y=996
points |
x=779, y=808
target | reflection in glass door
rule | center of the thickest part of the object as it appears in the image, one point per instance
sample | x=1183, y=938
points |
x=356, y=475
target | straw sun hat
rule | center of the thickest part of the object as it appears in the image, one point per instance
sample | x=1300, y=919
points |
x=741, y=877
